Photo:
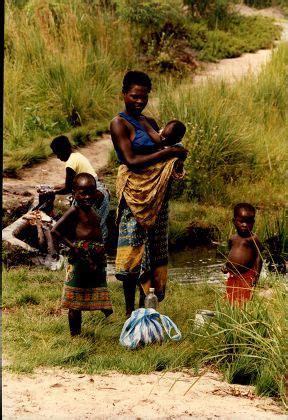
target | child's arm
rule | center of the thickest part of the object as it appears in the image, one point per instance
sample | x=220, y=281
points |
x=64, y=227
x=259, y=260
x=225, y=266
x=99, y=198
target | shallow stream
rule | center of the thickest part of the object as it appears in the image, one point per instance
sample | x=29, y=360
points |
x=191, y=265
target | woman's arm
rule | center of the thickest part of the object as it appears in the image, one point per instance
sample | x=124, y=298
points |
x=67, y=187
x=121, y=141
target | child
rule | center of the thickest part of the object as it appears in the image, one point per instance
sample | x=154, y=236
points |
x=76, y=163
x=244, y=260
x=172, y=133
x=79, y=228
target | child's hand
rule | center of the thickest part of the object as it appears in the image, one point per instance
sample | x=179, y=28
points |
x=99, y=198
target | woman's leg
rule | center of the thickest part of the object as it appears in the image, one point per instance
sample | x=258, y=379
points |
x=141, y=297
x=74, y=318
x=129, y=288
x=129, y=255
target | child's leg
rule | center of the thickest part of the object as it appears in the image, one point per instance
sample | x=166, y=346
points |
x=107, y=312
x=74, y=318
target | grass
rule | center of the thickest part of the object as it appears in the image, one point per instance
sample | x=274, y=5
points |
x=62, y=59
x=238, y=342
x=236, y=135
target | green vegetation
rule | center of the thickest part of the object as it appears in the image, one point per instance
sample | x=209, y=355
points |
x=236, y=135
x=239, y=343
x=64, y=60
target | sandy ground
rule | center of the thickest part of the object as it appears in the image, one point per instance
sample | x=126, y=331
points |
x=58, y=394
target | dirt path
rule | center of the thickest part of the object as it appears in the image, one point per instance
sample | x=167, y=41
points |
x=232, y=69
x=52, y=171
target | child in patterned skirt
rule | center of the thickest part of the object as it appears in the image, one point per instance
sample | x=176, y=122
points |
x=85, y=287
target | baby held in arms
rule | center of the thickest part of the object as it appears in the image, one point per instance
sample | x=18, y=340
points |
x=244, y=259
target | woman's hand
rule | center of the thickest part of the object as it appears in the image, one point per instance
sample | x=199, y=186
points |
x=179, y=152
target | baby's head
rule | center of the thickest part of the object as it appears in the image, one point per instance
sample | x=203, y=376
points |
x=62, y=147
x=84, y=189
x=173, y=132
x=244, y=218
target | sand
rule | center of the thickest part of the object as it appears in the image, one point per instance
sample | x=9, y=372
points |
x=59, y=395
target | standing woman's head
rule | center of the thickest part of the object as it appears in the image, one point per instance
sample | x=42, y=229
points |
x=136, y=88
x=62, y=147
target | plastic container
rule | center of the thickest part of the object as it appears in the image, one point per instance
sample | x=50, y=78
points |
x=203, y=317
x=151, y=300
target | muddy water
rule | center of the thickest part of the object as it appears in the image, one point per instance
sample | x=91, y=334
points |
x=195, y=265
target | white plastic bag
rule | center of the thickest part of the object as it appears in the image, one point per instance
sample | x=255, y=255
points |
x=144, y=327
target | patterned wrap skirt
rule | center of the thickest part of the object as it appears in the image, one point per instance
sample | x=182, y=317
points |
x=142, y=254
x=85, y=286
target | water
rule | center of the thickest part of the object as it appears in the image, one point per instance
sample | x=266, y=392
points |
x=194, y=265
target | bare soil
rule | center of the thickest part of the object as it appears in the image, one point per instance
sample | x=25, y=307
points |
x=52, y=172
x=58, y=395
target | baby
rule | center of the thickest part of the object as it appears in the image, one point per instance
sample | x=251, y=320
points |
x=172, y=133
x=244, y=259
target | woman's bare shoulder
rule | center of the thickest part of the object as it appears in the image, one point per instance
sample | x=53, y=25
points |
x=117, y=122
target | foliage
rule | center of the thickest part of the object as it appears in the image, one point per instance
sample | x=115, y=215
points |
x=56, y=73
x=63, y=60
x=230, y=37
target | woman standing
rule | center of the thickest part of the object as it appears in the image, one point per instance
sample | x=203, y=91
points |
x=142, y=252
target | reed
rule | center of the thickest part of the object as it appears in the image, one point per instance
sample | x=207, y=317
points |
x=62, y=61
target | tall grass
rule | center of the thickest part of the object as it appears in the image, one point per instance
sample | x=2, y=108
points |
x=236, y=134
x=60, y=58
x=248, y=344
x=68, y=57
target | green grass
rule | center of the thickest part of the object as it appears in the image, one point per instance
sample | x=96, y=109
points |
x=236, y=135
x=238, y=342
x=63, y=57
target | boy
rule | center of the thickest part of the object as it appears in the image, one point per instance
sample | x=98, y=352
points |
x=76, y=163
x=79, y=228
x=244, y=260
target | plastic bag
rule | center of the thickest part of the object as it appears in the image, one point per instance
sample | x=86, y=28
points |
x=144, y=327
